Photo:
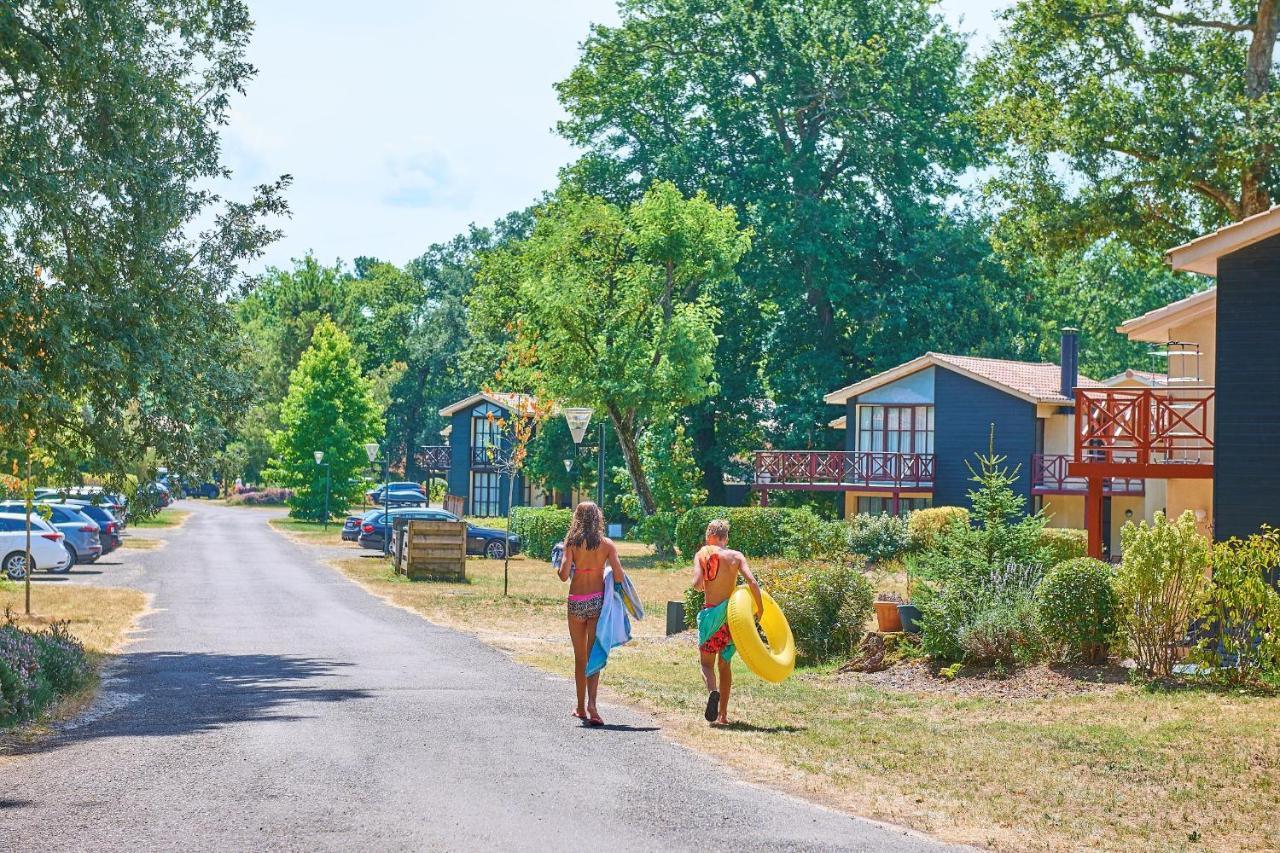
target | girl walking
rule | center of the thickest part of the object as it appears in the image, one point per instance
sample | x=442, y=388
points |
x=586, y=553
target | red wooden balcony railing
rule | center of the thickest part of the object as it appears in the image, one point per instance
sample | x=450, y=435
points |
x=1139, y=431
x=837, y=470
x=434, y=457
x=1050, y=476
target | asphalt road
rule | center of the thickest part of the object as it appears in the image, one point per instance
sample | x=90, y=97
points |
x=271, y=704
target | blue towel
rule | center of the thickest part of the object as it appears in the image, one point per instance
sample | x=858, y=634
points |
x=614, y=627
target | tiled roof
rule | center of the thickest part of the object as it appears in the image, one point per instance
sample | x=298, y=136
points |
x=1035, y=379
x=1145, y=376
x=508, y=401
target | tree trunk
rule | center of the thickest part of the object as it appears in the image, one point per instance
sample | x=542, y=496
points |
x=631, y=455
x=1254, y=197
x=704, y=443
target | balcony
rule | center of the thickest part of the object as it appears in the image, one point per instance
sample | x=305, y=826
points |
x=488, y=456
x=1050, y=476
x=1163, y=433
x=841, y=470
x=434, y=457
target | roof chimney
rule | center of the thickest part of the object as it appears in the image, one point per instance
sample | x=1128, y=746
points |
x=1070, y=361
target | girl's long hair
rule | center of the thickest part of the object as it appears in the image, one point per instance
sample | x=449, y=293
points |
x=586, y=530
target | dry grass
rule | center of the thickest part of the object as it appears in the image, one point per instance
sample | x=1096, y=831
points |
x=1116, y=769
x=167, y=517
x=98, y=616
x=142, y=543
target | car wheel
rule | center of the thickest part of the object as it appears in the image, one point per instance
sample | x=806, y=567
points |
x=15, y=566
x=75, y=558
x=496, y=549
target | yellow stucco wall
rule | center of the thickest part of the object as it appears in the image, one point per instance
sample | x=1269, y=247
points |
x=1065, y=510
x=1194, y=495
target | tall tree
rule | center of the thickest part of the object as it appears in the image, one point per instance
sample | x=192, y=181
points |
x=837, y=129
x=329, y=408
x=1138, y=119
x=614, y=307
x=115, y=334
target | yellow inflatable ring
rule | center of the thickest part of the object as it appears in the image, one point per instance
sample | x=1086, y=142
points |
x=772, y=662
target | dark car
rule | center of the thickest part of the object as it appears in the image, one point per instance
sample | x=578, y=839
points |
x=107, y=523
x=398, y=494
x=351, y=525
x=481, y=541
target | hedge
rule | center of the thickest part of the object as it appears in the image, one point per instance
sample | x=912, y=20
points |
x=925, y=524
x=755, y=531
x=540, y=528
x=1063, y=543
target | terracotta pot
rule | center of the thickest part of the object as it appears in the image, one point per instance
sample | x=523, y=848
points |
x=887, y=618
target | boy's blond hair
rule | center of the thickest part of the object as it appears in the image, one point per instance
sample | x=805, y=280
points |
x=718, y=529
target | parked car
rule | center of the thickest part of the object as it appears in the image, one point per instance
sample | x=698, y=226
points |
x=95, y=495
x=398, y=494
x=47, y=551
x=481, y=541
x=83, y=539
x=106, y=521
x=351, y=525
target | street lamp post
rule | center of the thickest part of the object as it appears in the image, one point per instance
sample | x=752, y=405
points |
x=320, y=461
x=578, y=420
x=371, y=450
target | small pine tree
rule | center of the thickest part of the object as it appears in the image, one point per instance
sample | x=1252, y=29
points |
x=330, y=408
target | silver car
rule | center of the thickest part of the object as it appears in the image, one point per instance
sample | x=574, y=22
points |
x=83, y=535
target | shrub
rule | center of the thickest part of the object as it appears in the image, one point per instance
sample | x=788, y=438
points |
x=925, y=524
x=983, y=620
x=1063, y=543
x=693, y=601
x=540, y=528
x=1161, y=587
x=826, y=606
x=1076, y=602
x=62, y=659
x=833, y=543
x=755, y=531
x=35, y=668
x=261, y=497
x=879, y=538
x=1244, y=610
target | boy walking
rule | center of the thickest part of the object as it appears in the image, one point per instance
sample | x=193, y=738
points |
x=715, y=572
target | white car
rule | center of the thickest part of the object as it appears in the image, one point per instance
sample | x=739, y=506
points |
x=47, y=549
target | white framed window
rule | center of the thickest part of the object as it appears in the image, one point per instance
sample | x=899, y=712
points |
x=486, y=491
x=895, y=429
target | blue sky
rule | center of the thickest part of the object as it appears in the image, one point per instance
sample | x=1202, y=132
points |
x=402, y=121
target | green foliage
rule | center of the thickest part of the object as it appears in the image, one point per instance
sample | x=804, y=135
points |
x=693, y=601
x=37, y=667
x=978, y=602
x=1077, y=607
x=825, y=604
x=755, y=531
x=998, y=534
x=1060, y=544
x=1112, y=118
x=989, y=619
x=1244, y=610
x=667, y=456
x=1161, y=587
x=879, y=538
x=118, y=257
x=540, y=528
x=925, y=524
x=328, y=408
x=612, y=307
x=778, y=109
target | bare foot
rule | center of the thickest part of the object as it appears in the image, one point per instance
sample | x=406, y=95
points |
x=721, y=721
x=580, y=714
x=593, y=717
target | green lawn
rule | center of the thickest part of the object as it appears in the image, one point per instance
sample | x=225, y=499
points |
x=310, y=531
x=167, y=517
